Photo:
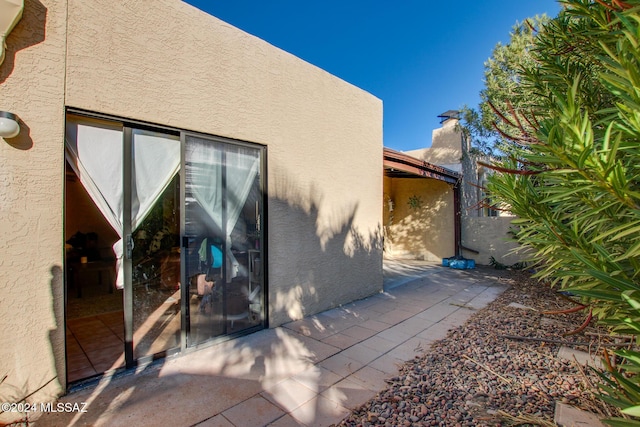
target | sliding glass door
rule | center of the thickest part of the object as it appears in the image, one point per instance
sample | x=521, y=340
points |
x=223, y=223
x=154, y=239
x=164, y=242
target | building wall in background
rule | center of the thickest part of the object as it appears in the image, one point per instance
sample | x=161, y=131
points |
x=483, y=230
x=491, y=237
x=445, y=149
x=421, y=224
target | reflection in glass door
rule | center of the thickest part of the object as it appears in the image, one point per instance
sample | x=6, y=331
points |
x=132, y=283
x=223, y=239
x=93, y=225
x=155, y=234
x=123, y=261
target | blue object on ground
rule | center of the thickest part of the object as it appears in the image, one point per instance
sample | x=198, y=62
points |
x=458, y=263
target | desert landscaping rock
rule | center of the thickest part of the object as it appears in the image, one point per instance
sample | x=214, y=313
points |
x=477, y=377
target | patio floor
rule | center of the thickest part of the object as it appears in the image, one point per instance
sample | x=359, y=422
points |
x=309, y=372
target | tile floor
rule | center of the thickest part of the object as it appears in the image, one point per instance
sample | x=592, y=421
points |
x=309, y=372
x=95, y=344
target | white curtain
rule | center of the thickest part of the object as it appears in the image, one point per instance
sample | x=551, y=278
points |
x=205, y=162
x=156, y=160
x=242, y=165
x=95, y=152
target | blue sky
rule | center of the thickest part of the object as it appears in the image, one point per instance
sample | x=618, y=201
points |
x=421, y=57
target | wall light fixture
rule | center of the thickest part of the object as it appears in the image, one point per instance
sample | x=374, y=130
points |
x=9, y=125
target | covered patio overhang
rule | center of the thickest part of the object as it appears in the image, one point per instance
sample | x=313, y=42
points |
x=401, y=165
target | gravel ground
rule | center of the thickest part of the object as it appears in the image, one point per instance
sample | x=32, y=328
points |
x=477, y=377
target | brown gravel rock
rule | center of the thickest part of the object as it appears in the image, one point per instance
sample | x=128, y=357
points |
x=477, y=377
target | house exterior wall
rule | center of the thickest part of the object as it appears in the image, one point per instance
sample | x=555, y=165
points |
x=31, y=204
x=446, y=147
x=490, y=237
x=450, y=150
x=426, y=229
x=487, y=235
x=165, y=62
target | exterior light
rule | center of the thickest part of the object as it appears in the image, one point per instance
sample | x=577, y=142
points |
x=9, y=126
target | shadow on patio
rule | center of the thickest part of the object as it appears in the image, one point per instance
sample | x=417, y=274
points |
x=262, y=377
x=308, y=372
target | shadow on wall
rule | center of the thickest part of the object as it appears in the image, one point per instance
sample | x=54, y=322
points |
x=11, y=393
x=319, y=259
x=28, y=32
x=492, y=237
x=318, y=256
x=422, y=225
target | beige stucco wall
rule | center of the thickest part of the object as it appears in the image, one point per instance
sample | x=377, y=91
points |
x=387, y=214
x=450, y=150
x=446, y=147
x=425, y=232
x=490, y=236
x=168, y=63
x=31, y=182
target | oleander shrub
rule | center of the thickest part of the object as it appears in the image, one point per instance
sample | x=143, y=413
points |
x=571, y=171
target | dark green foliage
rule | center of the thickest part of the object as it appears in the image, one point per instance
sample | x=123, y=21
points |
x=500, y=266
x=504, y=88
x=571, y=169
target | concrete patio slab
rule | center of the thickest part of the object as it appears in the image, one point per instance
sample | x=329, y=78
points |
x=341, y=365
x=308, y=372
x=348, y=393
x=581, y=357
x=319, y=412
x=254, y=412
x=362, y=353
x=379, y=344
x=217, y=421
x=341, y=340
x=317, y=378
x=370, y=378
x=289, y=394
x=569, y=416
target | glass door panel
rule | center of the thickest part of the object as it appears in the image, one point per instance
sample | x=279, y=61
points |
x=133, y=283
x=222, y=234
x=155, y=255
x=244, y=208
x=93, y=226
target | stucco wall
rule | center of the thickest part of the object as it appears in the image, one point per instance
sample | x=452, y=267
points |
x=446, y=147
x=490, y=236
x=387, y=214
x=31, y=199
x=166, y=62
x=420, y=232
